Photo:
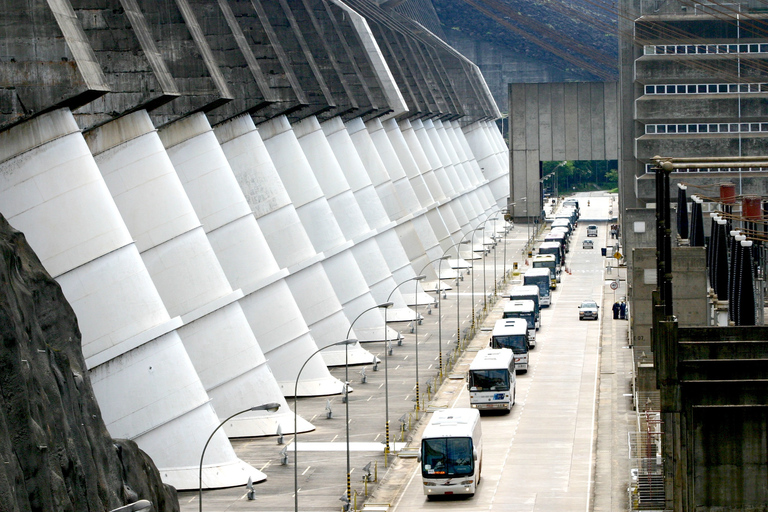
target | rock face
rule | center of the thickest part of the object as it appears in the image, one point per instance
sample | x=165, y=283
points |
x=55, y=451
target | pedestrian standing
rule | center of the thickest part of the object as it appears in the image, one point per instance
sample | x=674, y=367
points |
x=623, y=311
x=616, y=309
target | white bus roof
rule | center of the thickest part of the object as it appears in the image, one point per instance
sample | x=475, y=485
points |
x=524, y=305
x=452, y=423
x=545, y=257
x=524, y=289
x=561, y=221
x=549, y=245
x=510, y=326
x=492, y=359
x=535, y=272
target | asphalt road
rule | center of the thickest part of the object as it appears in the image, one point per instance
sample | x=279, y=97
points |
x=559, y=449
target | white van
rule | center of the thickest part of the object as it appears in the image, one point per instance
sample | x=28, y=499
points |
x=451, y=452
x=491, y=380
x=592, y=230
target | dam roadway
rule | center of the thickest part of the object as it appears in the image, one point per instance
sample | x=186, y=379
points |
x=562, y=447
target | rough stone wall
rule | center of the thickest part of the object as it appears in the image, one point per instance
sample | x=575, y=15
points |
x=56, y=452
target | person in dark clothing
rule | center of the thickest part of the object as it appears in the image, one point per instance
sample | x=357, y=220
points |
x=623, y=311
x=616, y=309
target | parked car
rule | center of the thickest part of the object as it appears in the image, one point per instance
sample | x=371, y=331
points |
x=588, y=310
x=587, y=244
x=592, y=230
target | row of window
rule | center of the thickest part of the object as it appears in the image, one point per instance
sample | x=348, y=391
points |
x=652, y=129
x=649, y=169
x=706, y=88
x=704, y=49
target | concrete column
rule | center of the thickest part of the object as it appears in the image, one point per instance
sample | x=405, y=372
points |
x=148, y=192
x=378, y=271
x=443, y=169
x=376, y=150
x=339, y=268
x=484, y=191
x=408, y=163
x=422, y=160
x=485, y=153
x=142, y=375
x=364, y=253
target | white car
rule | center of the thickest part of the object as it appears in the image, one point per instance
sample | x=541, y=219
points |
x=588, y=244
x=588, y=310
x=591, y=230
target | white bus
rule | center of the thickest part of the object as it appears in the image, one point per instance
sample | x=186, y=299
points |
x=451, y=452
x=548, y=261
x=542, y=278
x=512, y=333
x=527, y=292
x=491, y=380
x=526, y=310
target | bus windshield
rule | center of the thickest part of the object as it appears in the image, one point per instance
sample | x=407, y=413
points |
x=517, y=342
x=447, y=457
x=545, y=264
x=528, y=317
x=489, y=380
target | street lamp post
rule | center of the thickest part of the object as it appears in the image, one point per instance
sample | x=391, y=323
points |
x=439, y=304
x=271, y=407
x=416, y=325
x=480, y=228
x=485, y=294
x=384, y=305
x=296, y=421
x=386, y=363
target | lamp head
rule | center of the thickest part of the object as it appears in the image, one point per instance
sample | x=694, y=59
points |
x=420, y=277
x=270, y=407
x=386, y=305
x=345, y=342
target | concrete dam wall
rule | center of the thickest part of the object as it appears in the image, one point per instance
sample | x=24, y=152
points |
x=220, y=188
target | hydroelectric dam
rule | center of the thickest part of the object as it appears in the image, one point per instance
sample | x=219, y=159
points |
x=221, y=187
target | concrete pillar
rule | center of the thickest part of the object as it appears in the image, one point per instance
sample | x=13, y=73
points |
x=422, y=160
x=314, y=210
x=487, y=157
x=378, y=271
x=144, y=380
x=280, y=318
x=408, y=163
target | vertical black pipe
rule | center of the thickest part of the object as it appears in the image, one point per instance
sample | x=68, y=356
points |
x=732, y=273
x=746, y=299
x=682, y=212
x=667, y=246
x=711, y=247
x=721, y=261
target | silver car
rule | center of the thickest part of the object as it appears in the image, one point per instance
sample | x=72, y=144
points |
x=588, y=310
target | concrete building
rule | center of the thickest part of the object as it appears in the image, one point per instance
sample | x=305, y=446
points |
x=222, y=188
x=692, y=86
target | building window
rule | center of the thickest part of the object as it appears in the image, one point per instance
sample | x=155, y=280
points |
x=656, y=129
x=698, y=49
x=706, y=88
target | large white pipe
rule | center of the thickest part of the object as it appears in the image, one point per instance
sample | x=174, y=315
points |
x=281, y=311
x=408, y=162
x=378, y=271
x=146, y=385
x=206, y=182
x=319, y=188
x=422, y=161
x=477, y=135
x=284, y=230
